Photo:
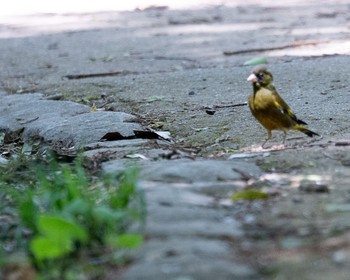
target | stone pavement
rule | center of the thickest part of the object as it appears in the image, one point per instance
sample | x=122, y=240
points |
x=188, y=235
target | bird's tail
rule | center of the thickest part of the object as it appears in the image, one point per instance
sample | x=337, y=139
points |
x=306, y=131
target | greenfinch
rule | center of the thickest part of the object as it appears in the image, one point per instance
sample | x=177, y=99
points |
x=268, y=107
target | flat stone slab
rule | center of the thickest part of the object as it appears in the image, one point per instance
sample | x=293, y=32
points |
x=131, y=148
x=116, y=144
x=187, y=258
x=63, y=124
x=188, y=171
x=188, y=237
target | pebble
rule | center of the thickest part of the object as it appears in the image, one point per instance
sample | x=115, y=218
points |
x=210, y=112
x=313, y=187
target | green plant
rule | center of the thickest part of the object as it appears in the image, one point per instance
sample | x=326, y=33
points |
x=74, y=219
x=249, y=194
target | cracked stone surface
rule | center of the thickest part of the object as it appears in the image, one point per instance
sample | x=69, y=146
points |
x=65, y=122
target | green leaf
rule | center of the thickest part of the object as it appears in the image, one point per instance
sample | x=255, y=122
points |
x=57, y=228
x=107, y=215
x=249, y=195
x=28, y=212
x=77, y=206
x=256, y=61
x=70, y=182
x=47, y=248
x=126, y=189
x=126, y=241
x=82, y=178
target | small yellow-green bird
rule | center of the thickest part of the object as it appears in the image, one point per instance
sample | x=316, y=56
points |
x=269, y=108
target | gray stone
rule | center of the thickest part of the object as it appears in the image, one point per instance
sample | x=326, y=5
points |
x=84, y=128
x=188, y=171
x=190, y=266
x=175, y=210
x=193, y=227
x=117, y=144
x=117, y=165
x=22, y=110
x=217, y=188
x=113, y=149
x=190, y=258
x=199, y=171
x=166, y=193
x=70, y=124
x=186, y=232
x=176, y=246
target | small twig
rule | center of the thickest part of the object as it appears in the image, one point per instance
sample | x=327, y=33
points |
x=244, y=175
x=160, y=57
x=210, y=110
x=294, y=45
x=28, y=121
x=94, y=75
x=230, y=105
x=225, y=106
x=342, y=143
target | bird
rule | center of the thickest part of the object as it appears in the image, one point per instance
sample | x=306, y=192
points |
x=268, y=107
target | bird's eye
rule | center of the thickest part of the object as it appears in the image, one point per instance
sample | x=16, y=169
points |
x=260, y=76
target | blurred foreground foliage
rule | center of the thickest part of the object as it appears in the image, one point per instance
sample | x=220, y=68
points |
x=58, y=222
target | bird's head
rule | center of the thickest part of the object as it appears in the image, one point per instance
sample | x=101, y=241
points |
x=260, y=76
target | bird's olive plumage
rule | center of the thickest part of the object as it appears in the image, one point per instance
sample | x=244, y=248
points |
x=269, y=108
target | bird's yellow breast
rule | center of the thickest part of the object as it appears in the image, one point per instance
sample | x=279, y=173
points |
x=264, y=108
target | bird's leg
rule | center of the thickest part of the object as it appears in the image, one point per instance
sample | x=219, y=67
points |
x=269, y=136
x=284, y=137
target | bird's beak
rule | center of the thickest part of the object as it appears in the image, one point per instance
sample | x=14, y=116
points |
x=252, y=78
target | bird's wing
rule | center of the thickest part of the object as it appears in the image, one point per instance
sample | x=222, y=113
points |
x=285, y=109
